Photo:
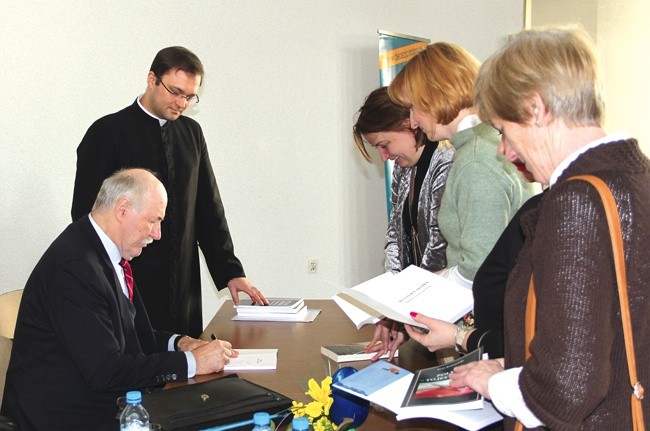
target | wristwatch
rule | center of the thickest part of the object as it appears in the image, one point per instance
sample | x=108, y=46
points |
x=459, y=337
x=176, y=348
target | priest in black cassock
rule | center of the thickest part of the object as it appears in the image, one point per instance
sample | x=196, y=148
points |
x=152, y=134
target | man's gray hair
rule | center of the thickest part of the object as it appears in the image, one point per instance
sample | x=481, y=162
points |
x=125, y=183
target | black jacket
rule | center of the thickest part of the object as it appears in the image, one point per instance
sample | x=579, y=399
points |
x=168, y=270
x=490, y=285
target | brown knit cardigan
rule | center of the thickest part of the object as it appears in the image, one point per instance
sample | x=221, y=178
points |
x=577, y=376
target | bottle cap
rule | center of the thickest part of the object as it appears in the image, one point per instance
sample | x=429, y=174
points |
x=261, y=418
x=133, y=397
x=300, y=424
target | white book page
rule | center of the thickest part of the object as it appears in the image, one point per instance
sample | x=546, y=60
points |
x=414, y=289
x=357, y=315
x=471, y=420
x=253, y=359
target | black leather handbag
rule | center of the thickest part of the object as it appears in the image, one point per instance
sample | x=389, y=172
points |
x=225, y=401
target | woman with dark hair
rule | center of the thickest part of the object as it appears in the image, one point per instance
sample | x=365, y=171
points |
x=421, y=167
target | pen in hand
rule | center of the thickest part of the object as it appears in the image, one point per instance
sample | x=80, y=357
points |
x=235, y=352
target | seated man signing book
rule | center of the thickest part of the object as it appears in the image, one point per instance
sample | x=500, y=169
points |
x=83, y=337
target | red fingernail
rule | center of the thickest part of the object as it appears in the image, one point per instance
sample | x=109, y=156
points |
x=414, y=314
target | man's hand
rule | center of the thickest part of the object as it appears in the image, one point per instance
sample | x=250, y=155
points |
x=387, y=338
x=241, y=284
x=212, y=356
x=476, y=375
x=187, y=343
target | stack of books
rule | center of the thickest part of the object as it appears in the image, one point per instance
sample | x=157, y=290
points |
x=278, y=310
x=350, y=352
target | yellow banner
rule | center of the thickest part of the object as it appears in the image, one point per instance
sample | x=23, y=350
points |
x=399, y=55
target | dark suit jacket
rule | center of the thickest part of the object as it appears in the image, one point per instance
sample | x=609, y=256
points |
x=77, y=345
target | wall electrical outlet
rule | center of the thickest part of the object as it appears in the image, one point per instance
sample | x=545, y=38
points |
x=312, y=266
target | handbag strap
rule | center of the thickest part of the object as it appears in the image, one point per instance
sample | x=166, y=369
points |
x=531, y=314
x=614, y=224
x=529, y=327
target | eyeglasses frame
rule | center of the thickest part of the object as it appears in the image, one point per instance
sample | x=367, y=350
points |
x=188, y=98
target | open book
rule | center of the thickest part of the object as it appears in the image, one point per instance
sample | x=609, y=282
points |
x=410, y=395
x=394, y=296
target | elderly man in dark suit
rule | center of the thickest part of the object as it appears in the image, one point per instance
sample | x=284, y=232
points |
x=83, y=337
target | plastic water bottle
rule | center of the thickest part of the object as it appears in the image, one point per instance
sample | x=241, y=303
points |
x=134, y=417
x=300, y=424
x=262, y=421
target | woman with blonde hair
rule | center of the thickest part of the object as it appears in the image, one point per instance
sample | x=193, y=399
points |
x=483, y=189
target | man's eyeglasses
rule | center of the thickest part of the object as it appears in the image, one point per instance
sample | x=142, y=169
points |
x=189, y=98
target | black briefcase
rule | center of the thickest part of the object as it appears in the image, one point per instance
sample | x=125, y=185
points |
x=227, y=401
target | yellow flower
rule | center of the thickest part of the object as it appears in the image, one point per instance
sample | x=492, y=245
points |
x=321, y=393
x=327, y=406
x=298, y=409
x=324, y=424
x=314, y=409
x=317, y=410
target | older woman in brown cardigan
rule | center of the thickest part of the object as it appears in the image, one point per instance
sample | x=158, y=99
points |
x=543, y=92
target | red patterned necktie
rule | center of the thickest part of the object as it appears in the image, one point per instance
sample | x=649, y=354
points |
x=128, y=275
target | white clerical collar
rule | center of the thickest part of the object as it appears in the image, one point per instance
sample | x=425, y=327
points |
x=468, y=122
x=162, y=121
x=573, y=156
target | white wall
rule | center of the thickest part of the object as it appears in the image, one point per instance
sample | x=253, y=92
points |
x=620, y=29
x=283, y=81
x=624, y=37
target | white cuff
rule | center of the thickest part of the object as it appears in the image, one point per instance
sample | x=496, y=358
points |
x=191, y=361
x=171, y=342
x=452, y=274
x=506, y=396
x=191, y=365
